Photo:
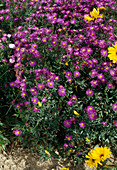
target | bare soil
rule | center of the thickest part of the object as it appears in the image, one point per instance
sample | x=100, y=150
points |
x=23, y=159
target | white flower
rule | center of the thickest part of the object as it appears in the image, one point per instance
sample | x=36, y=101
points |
x=8, y=35
x=11, y=45
x=11, y=60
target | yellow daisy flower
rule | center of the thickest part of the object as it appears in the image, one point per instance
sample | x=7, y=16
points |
x=91, y=162
x=101, y=153
x=113, y=53
x=94, y=15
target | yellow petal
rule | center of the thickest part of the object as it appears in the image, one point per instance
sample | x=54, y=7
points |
x=39, y=104
x=65, y=168
x=46, y=152
x=76, y=113
x=66, y=64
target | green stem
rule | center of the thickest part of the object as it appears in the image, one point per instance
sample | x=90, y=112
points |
x=5, y=73
x=11, y=106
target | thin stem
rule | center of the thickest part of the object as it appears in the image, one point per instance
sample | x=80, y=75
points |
x=5, y=73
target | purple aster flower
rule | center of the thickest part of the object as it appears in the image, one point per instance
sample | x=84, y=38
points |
x=12, y=84
x=103, y=80
x=17, y=132
x=89, y=51
x=69, y=138
x=44, y=100
x=102, y=43
x=114, y=106
x=69, y=49
x=44, y=40
x=34, y=100
x=100, y=76
x=70, y=80
x=92, y=116
x=94, y=61
x=82, y=124
x=63, y=44
x=104, y=53
x=65, y=145
x=67, y=123
x=68, y=74
x=90, y=109
x=32, y=63
x=93, y=73
x=35, y=109
x=40, y=86
x=94, y=83
x=17, y=65
x=23, y=94
x=76, y=67
x=26, y=103
x=73, y=21
x=89, y=92
x=17, y=106
x=73, y=98
x=112, y=72
x=109, y=85
x=104, y=123
x=76, y=73
x=50, y=84
x=83, y=50
x=33, y=91
x=69, y=103
x=62, y=92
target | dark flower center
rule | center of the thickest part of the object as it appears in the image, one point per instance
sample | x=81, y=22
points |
x=101, y=155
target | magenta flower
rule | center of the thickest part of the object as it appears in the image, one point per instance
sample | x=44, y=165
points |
x=104, y=123
x=112, y=72
x=82, y=124
x=40, y=86
x=23, y=94
x=17, y=132
x=100, y=76
x=69, y=49
x=35, y=109
x=69, y=138
x=62, y=92
x=63, y=44
x=109, y=85
x=44, y=100
x=50, y=84
x=32, y=63
x=104, y=53
x=67, y=123
x=92, y=116
x=93, y=73
x=76, y=73
x=114, y=106
x=68, y=74
x=70, y=80
x=34, y=100
x=69, y=103
x=90, y=109
x=89, y=92
x=94, y=83
x=65, y=145
x=73, y=21
x=17, y=65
